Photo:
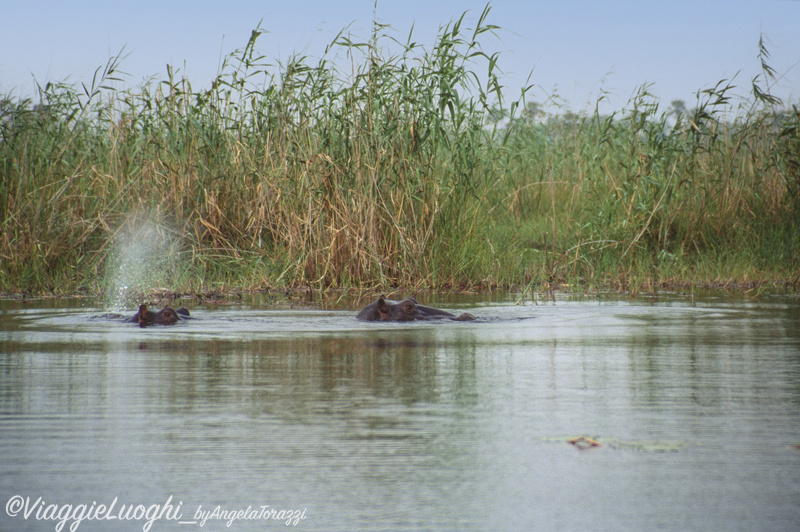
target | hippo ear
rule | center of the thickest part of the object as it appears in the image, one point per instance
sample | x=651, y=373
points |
x=383, y=306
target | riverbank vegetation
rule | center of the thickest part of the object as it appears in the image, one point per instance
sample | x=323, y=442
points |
x=412, y=168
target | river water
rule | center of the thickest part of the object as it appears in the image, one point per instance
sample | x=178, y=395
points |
x=253, y=417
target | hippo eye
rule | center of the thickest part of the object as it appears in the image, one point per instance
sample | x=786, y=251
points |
x=409, y=308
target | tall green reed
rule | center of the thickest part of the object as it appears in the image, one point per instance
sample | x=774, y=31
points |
x=395, y=172
x=652, y=194
x=294, y=173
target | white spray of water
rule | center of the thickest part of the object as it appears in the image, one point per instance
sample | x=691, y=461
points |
x=144, y=258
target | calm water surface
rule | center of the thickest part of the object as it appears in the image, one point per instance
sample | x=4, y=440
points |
x=445, y=426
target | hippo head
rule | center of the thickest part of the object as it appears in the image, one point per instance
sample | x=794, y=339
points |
x=166, y=316
x=386, y=310
x=405, y=310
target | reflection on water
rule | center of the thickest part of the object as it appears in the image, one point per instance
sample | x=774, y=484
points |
x=445, y=425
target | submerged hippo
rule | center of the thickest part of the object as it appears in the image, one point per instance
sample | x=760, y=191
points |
x=407, y=310
x=165, y=316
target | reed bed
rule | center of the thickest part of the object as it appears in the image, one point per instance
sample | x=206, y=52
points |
x=394, y=173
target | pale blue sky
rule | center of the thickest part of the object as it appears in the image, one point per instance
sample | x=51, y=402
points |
x=575, y=48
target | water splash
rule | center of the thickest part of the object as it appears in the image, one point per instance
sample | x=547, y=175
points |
x=144, y=258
